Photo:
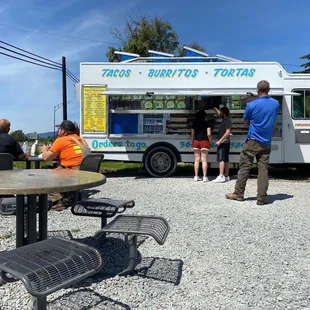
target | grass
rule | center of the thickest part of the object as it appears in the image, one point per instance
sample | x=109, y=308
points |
x=117, y=167
x=106, y=166
x=6, y=236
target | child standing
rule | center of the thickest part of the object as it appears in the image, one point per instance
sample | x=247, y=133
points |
x=223, y=145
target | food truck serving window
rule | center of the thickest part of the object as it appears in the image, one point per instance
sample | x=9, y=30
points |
x=301, y=105
x=143, y=102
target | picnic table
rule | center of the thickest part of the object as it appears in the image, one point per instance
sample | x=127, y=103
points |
x=40, y=182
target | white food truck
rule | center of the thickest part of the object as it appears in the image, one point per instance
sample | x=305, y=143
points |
x=141, y=108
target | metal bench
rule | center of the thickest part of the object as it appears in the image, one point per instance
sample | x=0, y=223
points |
x=133, y=226
x=101, y=207
x=49, y=265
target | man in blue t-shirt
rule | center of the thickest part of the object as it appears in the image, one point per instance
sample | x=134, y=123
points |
x=260, y=115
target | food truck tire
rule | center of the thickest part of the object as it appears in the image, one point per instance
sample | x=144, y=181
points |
x=160, y=161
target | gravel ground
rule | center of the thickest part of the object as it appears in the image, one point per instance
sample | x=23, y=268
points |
x=219, y=254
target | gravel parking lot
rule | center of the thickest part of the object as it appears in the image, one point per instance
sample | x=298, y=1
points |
x=220, y=254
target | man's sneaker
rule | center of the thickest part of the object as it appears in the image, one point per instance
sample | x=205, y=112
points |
x=227, y=179
x=234, y=196
x=261, y=203
x=205, y=179
x=219, y=179
x=196, y=179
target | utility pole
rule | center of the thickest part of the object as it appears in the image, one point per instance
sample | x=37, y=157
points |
x=64, y=88
x=56, y=107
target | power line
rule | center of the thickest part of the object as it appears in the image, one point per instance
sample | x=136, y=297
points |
x=59, y=35
x=7, y=49
x=30, y=61
x=72, y=76
x=29, y=52
x=58, y=64
x=50, y=65
x=74, y=81
x=291, y=65
x=69, y=72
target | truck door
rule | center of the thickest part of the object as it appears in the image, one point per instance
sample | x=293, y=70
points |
x=296, y=127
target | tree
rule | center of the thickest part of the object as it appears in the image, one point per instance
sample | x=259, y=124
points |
x=19, y=135
x=194, y=45
x=47, y=141
x=142, y=34
x=307, y=64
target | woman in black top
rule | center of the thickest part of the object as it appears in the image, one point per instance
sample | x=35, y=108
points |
x=201, y=143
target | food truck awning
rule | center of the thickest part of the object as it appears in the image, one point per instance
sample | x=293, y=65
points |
x=195, y=92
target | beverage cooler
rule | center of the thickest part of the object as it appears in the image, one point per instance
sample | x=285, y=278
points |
x=153, y=123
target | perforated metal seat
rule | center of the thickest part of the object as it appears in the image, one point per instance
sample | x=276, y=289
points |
x=101, y=207
x=135, y=225
x=47, y=266
x=156, y=227
x=91, y=162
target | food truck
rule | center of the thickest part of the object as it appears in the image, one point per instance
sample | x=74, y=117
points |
x=141, y=109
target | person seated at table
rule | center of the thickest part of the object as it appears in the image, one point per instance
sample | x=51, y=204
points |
x=68, y=148
x=8, y=144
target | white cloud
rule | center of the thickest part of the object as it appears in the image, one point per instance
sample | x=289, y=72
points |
x=41, y=9
x=30, y=92
x=92, y=19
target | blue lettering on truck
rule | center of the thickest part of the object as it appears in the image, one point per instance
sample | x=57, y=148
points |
x=187, y=73
x=169, y=73
x=114, y=73
x=105, y=144
x=239, y=72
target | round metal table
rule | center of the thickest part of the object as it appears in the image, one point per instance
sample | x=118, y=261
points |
x=41, y=182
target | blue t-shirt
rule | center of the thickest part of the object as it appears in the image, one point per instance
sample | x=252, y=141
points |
x=261, y=113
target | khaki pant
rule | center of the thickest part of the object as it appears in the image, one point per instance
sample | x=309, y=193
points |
x=261, y=153
x=58, y=196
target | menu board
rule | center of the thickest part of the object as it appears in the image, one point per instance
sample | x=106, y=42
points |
x=94, y=109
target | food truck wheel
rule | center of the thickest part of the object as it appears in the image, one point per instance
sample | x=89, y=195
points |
x=160, y=161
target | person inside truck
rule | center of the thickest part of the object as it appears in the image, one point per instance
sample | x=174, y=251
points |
x=201, y=143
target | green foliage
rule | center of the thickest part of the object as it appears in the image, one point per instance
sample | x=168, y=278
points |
x=143, y=33
x=306, y=65
x=307, y=103
x=19, y=135
x=110, y=54
x=46, y=141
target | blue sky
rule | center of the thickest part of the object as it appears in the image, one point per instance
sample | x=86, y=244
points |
x=276, y=30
